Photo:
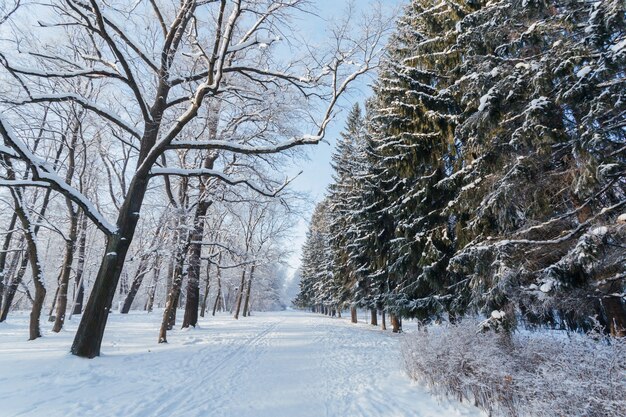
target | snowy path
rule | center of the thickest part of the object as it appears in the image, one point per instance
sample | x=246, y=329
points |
x=289, y=364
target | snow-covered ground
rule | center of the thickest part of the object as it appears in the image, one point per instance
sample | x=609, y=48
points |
x=290, y=364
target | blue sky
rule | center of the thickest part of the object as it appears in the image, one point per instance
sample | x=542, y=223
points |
x=317, y=172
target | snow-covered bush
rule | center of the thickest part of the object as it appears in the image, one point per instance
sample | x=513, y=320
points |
x=533, y=374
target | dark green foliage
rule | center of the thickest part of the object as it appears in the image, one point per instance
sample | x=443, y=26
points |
x=492, y=172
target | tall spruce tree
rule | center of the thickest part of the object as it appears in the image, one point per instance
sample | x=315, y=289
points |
x=342, y=193
x=540, y=84
x=412, y=128
x=491, y=175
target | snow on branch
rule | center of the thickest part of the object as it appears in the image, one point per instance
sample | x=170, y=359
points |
x=203, y=172
x=81, y=72
x=8, y=14
x=22, y=183
x=560, y=239
x=87, y=104
x=246, y=149
x=43, y=174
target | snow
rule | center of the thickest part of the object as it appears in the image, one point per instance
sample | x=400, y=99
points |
x=46, y=173
x=484, y=100
x=582, y=73
x=599, y=231
x=546, y=286
x=497, y=314
x=472, y=185
x=274, y=364
x=619, y=48
x=538, y=103
x=8, y=151
x=262, y=42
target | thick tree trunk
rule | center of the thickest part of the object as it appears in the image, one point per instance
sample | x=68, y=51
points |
x=90, y=331
x=338, y=312
x=396, y=323
x=383, y=323
x=353, y=317
x=246, y=304
x=40, y=296
x=240, y=293
x=193, y=270
x=374, y=319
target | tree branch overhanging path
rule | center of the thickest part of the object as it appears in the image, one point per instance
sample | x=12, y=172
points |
x=150, y=95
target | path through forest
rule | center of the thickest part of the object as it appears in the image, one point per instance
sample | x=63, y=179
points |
x=289, y=364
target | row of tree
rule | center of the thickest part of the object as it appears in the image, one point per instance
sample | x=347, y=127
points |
x=174, y=119
x=488, y=173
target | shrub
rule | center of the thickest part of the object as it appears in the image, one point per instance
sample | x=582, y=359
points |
x=543, y=373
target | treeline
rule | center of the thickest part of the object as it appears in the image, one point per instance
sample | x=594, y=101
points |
x=487, y=173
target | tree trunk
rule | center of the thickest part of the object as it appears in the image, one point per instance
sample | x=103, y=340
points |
x=396, y=323
x=353, y=317
x=79, y=288
x=70, y=243
x=207, y=287
x=90, y=331
x=240, y=293
x=4, y=253
x=38, y=280
x=339, y=312
x=383, y=323
x=142, y=270
x=193, y=269
x=218, y=298
x=17, y=279
x=169, y=314
x=613, y=308
x=11, y=289
x=64, y=278
x=374, y=320
x=152, y=289
x=51, y=316
x=246, y=304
